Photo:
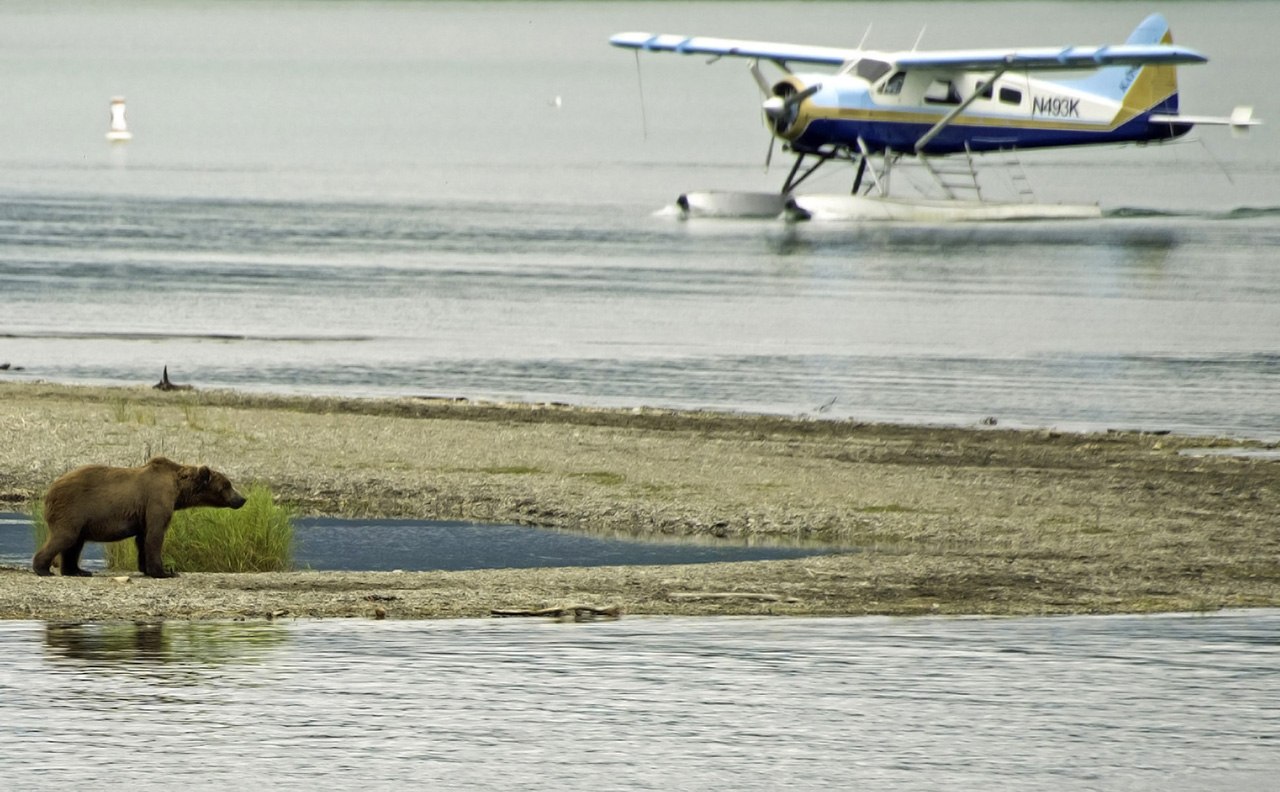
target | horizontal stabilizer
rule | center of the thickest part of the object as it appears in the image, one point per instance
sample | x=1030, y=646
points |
x=1240, y=119
x=1242, y=116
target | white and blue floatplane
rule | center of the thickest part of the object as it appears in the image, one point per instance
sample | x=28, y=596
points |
x=941, y=108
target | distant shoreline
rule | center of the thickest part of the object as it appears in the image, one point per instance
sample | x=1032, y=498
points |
x=950, y=520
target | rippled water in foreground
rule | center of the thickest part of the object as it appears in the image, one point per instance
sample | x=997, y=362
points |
x=1167, y=702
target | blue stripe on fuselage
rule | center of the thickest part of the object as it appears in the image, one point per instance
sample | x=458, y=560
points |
x=902, y=136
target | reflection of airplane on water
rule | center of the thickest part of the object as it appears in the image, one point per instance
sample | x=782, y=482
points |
x=878, y=107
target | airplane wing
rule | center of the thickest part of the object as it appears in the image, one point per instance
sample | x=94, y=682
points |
x=1050, y=58
x=702, y=45
x=1032, y=59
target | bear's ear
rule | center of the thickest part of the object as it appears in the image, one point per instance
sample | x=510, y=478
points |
x=202, y=476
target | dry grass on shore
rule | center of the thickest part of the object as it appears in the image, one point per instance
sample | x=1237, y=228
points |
x=949, y=520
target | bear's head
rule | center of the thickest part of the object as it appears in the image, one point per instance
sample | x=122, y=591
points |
x=211, y=488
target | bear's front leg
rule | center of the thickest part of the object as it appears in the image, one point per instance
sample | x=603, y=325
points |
x=155, y=568
x=140, y=545
x=151, y=565
x=151, y=544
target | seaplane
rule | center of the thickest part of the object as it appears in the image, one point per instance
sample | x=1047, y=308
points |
x=943, y=108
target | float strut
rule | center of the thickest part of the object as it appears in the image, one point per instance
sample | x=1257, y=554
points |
x=788, y=184
x=862, y=168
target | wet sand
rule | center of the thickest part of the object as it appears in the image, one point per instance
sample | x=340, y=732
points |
x=948, y=520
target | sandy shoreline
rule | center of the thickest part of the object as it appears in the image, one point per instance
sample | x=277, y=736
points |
x=949, y=520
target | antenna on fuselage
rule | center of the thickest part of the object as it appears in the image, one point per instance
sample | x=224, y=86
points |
x=864, y=36
x=919, y=38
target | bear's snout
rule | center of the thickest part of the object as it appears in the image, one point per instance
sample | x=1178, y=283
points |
x=237, y=500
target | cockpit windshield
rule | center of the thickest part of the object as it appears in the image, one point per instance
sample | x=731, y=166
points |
x=871, y=69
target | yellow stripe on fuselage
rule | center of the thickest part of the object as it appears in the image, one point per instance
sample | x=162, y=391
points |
x=808, y=114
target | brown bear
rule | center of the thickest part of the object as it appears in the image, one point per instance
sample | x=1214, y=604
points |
x=96, y=503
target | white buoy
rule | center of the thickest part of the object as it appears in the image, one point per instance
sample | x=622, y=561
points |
x=118, y=132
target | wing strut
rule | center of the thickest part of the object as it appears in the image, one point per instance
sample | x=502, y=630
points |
x=927, y=137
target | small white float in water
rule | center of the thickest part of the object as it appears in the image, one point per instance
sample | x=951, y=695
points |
x=744, y=205
x=118, y=132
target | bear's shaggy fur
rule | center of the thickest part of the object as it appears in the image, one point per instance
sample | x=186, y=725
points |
x=96, y=503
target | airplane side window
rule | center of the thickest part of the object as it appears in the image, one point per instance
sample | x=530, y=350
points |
x=871, y=69
x=1011, y=96
x=893, y=85
x=942, y=92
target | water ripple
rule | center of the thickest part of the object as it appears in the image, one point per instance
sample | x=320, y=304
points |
x=1064, y=703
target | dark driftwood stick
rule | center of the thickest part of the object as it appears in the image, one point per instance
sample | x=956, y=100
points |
x=577, y=611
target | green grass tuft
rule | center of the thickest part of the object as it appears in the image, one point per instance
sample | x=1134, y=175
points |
x=604, y=478
x=511, y=470
x=39, y=529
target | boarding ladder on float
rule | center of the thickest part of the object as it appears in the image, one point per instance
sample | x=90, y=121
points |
x=1018, y=177
x=955, y=176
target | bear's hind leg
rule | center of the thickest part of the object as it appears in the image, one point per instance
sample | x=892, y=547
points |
x=71, y=561
x=53, y=546
x=41, y=563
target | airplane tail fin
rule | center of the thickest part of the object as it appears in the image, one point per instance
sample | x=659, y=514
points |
x=1152, y=87
x=1140, y=88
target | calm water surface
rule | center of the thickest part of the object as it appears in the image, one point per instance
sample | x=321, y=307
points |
x=421, y=545
x=1154, y=703
x=384, y=199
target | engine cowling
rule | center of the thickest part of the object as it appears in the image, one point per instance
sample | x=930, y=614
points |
x=782, y=107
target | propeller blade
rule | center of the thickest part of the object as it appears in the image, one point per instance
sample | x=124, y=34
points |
x=796, y=98
x=768, y=157
x=776, y=107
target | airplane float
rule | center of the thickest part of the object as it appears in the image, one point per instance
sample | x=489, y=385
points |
x=877, y=107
